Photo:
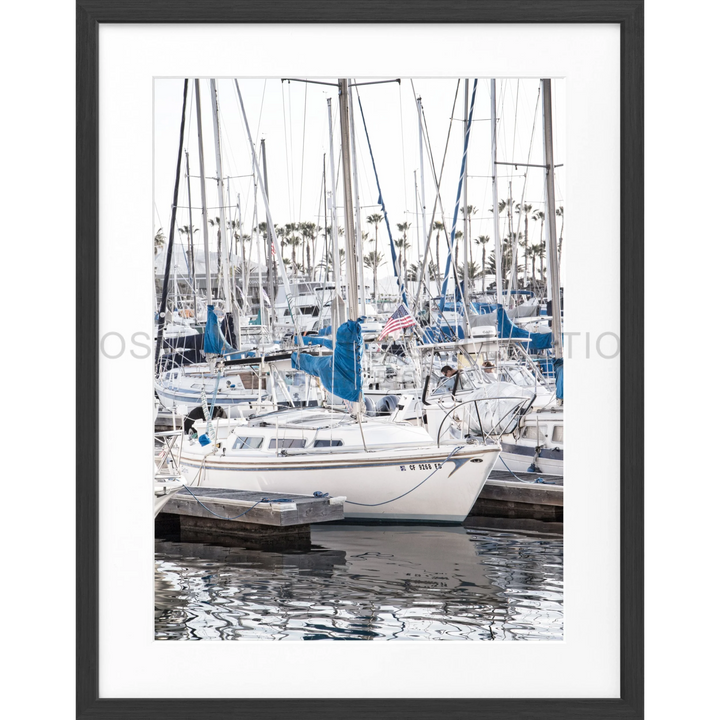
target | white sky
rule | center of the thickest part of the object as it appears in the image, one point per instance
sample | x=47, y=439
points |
x=292, y=118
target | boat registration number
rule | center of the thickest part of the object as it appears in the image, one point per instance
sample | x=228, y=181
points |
x=421, y=466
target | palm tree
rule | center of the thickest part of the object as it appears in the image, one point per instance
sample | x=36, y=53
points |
x=293, y=241
x=526, y=210
x=536, y=251
x=159, y=240
x=373, y=260
x=403, y=245
x=438, y=225
x=309, y=231
x=473, y=271
x=506, y=264
x=458, y=238
x=483, y=240
x=375, y=220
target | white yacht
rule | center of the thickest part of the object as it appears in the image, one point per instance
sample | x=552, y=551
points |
x=386, y=471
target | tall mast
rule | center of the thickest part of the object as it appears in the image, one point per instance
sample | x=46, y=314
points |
x=338, y=306
x=350, y=247
x=270, y=262
x=424, y=275
x=358, y=221
x=255, y=231
x=171, y=236
x=221, y=201
x=466, y=302
x=496, y=219
x=203, y=197
x=552, y=259
x=191, y=240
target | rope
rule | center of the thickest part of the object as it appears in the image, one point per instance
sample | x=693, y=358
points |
x=349, y=502
x=262, y=500
x=537, y=480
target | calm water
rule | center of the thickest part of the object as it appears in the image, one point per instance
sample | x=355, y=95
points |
x=366, y=583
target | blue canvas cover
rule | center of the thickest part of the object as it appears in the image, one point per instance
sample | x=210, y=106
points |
x=559, y=390
x=508, y=329
x=441, y=334
x=214, y=342
x=341, y=372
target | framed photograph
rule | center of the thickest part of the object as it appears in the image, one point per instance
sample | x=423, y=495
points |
x=128, y=60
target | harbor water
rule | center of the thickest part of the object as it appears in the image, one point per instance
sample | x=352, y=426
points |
x=364, y=582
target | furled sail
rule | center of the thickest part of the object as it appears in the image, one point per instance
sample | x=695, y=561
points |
x=341, y=372
x=214, y=342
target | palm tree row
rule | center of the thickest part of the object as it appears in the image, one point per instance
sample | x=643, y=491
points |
x=301, y=238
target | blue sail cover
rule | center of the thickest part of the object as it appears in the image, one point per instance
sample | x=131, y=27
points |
x=508, y=329
x=341, y=372
x=215, y=343
x=559, y=390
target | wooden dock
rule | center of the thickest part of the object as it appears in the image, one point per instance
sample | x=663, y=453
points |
x=240, y=518
x=521, y=495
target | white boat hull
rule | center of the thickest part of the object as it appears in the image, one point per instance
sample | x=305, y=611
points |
x=405, y=484
x=518, y=458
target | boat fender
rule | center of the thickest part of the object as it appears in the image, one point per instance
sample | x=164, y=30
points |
x=204, y=440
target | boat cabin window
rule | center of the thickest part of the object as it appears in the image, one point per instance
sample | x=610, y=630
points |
x=531, y=432
x=247, y=443
x=286, y=443
x=328, y=443
x=558, y=433
x=313, y=310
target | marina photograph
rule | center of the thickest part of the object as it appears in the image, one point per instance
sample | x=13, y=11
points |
x=358, y=358
x=346, y=305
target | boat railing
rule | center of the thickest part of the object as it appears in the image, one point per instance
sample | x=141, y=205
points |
x=486, y=418
x=167, y=453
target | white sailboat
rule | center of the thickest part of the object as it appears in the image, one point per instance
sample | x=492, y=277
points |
x=387, y=471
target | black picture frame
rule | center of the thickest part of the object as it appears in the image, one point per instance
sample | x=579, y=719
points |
x=628, y=14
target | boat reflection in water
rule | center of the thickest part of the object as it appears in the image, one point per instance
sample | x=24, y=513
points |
x=366, y=583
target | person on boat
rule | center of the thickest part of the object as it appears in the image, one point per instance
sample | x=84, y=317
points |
x=448, y=371
x=489, y=370
x=450, y=383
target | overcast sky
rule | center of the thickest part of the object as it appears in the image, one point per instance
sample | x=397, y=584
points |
x=292, y=117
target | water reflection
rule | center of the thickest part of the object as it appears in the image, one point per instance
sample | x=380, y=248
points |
x=366, y=583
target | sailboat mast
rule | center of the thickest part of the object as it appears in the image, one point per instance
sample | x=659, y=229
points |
x=552, y=258
x=270, y=262
x=465, y=223
x=358, y=221
x=350, y=248
x=496, y=218
x=221, y=201
x=338, y=306
x=203, y=197
x=191, y=239
x=423, y=276
x=171, y=236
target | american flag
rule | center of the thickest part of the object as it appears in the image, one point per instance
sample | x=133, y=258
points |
x=401, y=318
